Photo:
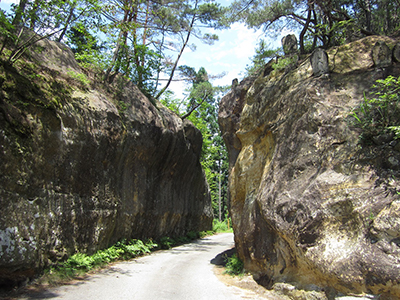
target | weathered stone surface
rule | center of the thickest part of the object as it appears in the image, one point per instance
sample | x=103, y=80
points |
x=310, y=206
x=289, y=44
x=396, y=52
x=229, y=112
x=319, y=62
x=355, y=56
x=381, y=55
x=82, y=174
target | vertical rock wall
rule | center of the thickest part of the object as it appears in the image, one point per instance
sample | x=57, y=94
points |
x=310, y=206
x=88, y=171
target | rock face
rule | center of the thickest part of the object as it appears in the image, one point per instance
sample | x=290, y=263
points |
x=309, y=205
x=83, y=165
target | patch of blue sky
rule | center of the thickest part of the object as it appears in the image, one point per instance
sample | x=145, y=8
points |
x=230, y=54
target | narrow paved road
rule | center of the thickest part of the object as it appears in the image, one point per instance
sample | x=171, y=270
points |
x=182, y=273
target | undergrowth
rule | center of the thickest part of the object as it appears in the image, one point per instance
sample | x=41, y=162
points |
x=380, y=113
x=220, y=227
x=80, y=263
x=234, y=266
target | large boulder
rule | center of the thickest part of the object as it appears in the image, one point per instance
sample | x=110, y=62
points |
x=84, y=164
x=309, y=205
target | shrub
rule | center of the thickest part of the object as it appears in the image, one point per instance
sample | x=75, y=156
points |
x=167, y=243
x=81, y=263
x=284, y=62
x=381, y=113
x=221, y=226
x=234, y=266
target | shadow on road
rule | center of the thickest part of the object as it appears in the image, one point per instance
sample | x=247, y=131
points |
x=222, y=258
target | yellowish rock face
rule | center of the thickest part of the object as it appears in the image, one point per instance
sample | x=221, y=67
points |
x=309, y=205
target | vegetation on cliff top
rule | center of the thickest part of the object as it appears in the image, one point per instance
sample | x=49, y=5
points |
x=149, y=39
x=379, y=114
x=323, y=23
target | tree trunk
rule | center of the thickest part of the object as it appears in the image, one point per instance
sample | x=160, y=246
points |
x=219, y=195
x=33, y=16
x=121, y=37
x=179, y=55
x=305, y=27
x=19, y=13
x=67, y=23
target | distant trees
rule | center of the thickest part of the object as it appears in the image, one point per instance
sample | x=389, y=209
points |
x=202, y=111
x=201, y=108
x=320, y=22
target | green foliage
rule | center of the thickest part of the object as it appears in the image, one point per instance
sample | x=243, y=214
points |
x=263, y=54
x=88, y=49
x=142, y=74
x=171, y=102
x=396, y=130
x=6, y=30
x=81, y=263
x=167, y=242
x=192, y=235
x=234, y=266
x=80, y=40
x=284, y=62
x=338, y=32
x=80, y=77
x=221, y=226
x=325, y=23
x=381, y=113
x=122, y=107
x=203, y=234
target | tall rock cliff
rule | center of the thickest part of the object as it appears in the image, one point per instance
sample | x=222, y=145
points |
x=84, y=164
x=309, y=205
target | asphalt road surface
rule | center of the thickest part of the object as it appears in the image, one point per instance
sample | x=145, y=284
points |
x=182, y=273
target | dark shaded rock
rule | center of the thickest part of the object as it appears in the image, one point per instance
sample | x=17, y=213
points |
x=82, y=174
x=289, y=44
x=396, y=52
x=381, y=55
x=309, y=206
